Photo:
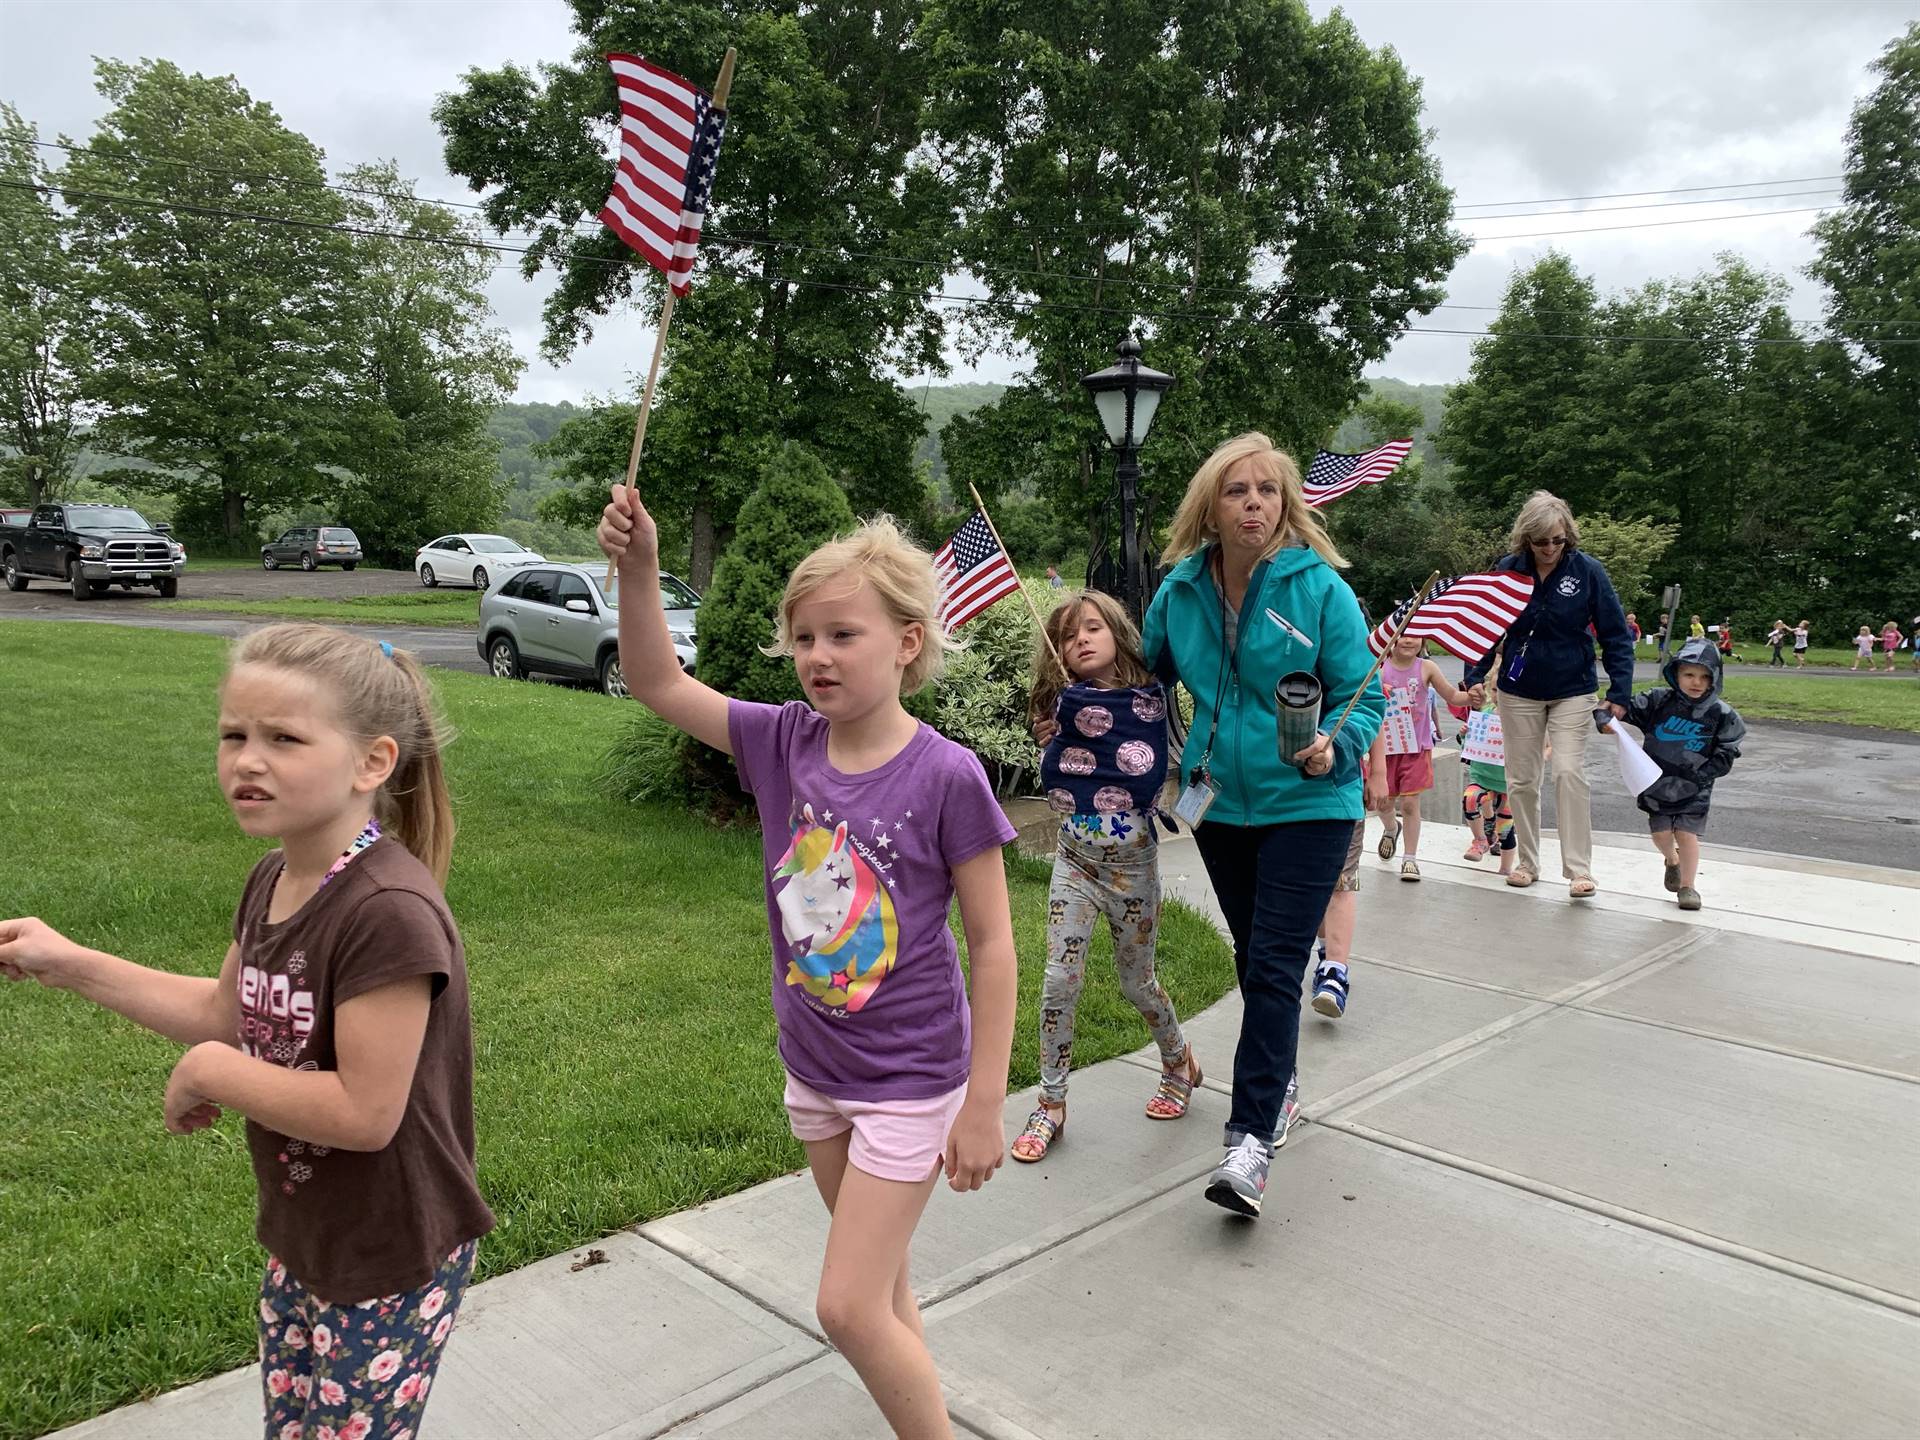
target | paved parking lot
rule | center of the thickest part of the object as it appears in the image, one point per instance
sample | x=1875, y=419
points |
x=225, y=583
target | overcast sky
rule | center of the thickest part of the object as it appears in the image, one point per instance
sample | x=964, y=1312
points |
x=1530, y=101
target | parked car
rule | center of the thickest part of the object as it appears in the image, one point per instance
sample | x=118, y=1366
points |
x=91, y=548
x=557, y=619
x=476, y=560
x=311, y=546
x=10, y=516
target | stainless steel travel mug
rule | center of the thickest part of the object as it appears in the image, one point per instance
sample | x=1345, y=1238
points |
x=1296, y=700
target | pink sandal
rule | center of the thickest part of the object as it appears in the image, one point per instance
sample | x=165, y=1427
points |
x=1170, y=1101
x=1041, y=1131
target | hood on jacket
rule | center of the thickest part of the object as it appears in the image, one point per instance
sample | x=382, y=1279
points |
x=1694, y=652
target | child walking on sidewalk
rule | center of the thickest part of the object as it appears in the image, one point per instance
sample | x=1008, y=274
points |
x=1409, y=681
x=338, y=1026
x=1103, y=769
x=1695, y=737
x=1483, y=803
x=871, y=824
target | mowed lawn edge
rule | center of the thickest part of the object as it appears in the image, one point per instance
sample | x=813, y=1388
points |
x=625, y=1061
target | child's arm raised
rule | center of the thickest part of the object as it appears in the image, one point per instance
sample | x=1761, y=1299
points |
x=978, y=1143
x=651, y=670
x=184, y=1008
x=358, y=1106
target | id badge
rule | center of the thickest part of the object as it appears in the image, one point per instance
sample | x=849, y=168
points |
x=1196, y=800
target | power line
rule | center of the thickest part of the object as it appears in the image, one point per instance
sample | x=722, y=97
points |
x=1636, y=194
x=929, y=297
x=1480, y=240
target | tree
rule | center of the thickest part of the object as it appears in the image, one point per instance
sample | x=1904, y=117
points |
x=1870, y=258
x=1629, y=551
x=1519, y=419
x=421, y=372
x=1248, y=188
x=212, y=348
x=1870, y=247
x=797, y=507
x=42, y=323
x=830, y=220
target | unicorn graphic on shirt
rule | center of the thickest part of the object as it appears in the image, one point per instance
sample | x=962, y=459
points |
x=839, y=922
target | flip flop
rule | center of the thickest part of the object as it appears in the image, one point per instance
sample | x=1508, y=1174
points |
x=1582, y=888
x=1520, y=878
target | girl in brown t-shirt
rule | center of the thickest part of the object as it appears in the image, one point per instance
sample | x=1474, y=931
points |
x=338, y=1026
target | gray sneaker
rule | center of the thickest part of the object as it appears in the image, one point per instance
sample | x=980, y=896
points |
x=1289, y=1110
x=1239, y=1182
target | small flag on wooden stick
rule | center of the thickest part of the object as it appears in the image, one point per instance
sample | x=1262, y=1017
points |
x=974, y=572
x=1466, y=615
x=1332, y=475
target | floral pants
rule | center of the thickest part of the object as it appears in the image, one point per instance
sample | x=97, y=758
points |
x=1122, y=882
x=354, y=1372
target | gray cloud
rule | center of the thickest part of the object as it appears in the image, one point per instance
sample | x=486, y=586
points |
x=1527, y=100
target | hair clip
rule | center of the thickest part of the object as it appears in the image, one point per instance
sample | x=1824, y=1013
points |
x=386, y=649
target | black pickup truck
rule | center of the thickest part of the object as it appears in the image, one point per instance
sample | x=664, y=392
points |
x=90, y=549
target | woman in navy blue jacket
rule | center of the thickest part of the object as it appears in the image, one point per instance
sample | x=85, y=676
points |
x=1547, y=683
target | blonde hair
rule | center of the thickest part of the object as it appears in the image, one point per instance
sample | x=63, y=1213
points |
x=1050, y=673
x=901, y=574
x=374, y=694
x=1193, y=527
x=1543, y=513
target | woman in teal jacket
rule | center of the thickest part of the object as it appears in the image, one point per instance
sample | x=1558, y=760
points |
x=1254, y=596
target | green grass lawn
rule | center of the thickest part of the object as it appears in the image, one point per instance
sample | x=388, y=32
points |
x=454, y=608
x=1890, y=702
x=619, y=960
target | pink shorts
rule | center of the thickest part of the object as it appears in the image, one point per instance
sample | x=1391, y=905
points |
x=1410, y=774
x=893, y=1139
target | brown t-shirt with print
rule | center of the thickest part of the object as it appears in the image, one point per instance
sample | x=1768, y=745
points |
x=352, y=1225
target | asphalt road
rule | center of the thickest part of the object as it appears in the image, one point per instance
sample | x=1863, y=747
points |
x=1832, y=791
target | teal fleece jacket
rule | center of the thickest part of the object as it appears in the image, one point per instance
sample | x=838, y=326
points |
x=1298, y=614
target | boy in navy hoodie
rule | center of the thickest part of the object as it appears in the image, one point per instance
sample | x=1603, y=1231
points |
x=1695, y=737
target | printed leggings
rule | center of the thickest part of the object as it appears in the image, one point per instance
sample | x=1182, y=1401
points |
x=1122, y=882
x=354, y=1372
x=1491, y=823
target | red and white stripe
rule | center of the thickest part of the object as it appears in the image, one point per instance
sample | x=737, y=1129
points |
x=660, y=116
x=965, y=592
x=1467, y=616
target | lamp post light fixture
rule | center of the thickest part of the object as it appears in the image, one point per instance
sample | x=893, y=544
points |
x=1127, y=394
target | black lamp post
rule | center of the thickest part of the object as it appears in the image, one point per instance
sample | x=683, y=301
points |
x=1127, y=394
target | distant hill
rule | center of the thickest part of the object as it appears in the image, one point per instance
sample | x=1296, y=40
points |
x=940, y=403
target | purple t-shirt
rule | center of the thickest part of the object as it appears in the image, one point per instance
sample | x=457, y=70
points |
x=866, y=978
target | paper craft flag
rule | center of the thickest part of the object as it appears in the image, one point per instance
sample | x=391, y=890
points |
x=1638, y=770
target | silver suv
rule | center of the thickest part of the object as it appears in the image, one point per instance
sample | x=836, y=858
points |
x=558, y=620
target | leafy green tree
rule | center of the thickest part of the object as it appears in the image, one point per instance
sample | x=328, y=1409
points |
x=211, y=335
x=1629, y=550
x=42, y=325
x=420, y=369
x=1519, y=422
x=1870, y=259
x=830, y=220
x=1247, y=187
x=797, y=507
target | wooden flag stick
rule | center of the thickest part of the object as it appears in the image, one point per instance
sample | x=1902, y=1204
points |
x=1419, y=599
x=1032, y=608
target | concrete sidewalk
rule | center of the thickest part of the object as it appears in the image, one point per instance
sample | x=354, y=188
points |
x=1571, y=1170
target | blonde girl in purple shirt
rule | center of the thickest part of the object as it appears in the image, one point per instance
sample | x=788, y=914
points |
x=871, y=824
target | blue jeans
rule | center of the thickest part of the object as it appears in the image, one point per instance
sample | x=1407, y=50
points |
x=1273, y=883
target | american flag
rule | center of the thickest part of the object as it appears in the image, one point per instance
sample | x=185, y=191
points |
x=1467, y=614
x=1332, y=475
x=669, y=144
x=974, y=572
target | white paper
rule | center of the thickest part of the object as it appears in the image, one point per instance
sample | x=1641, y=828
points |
x=1638, y=770
x=1398, y=726
x=1484, y=741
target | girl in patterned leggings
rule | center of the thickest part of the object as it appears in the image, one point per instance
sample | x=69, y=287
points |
x=1483, y=802
x=1103, y=722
